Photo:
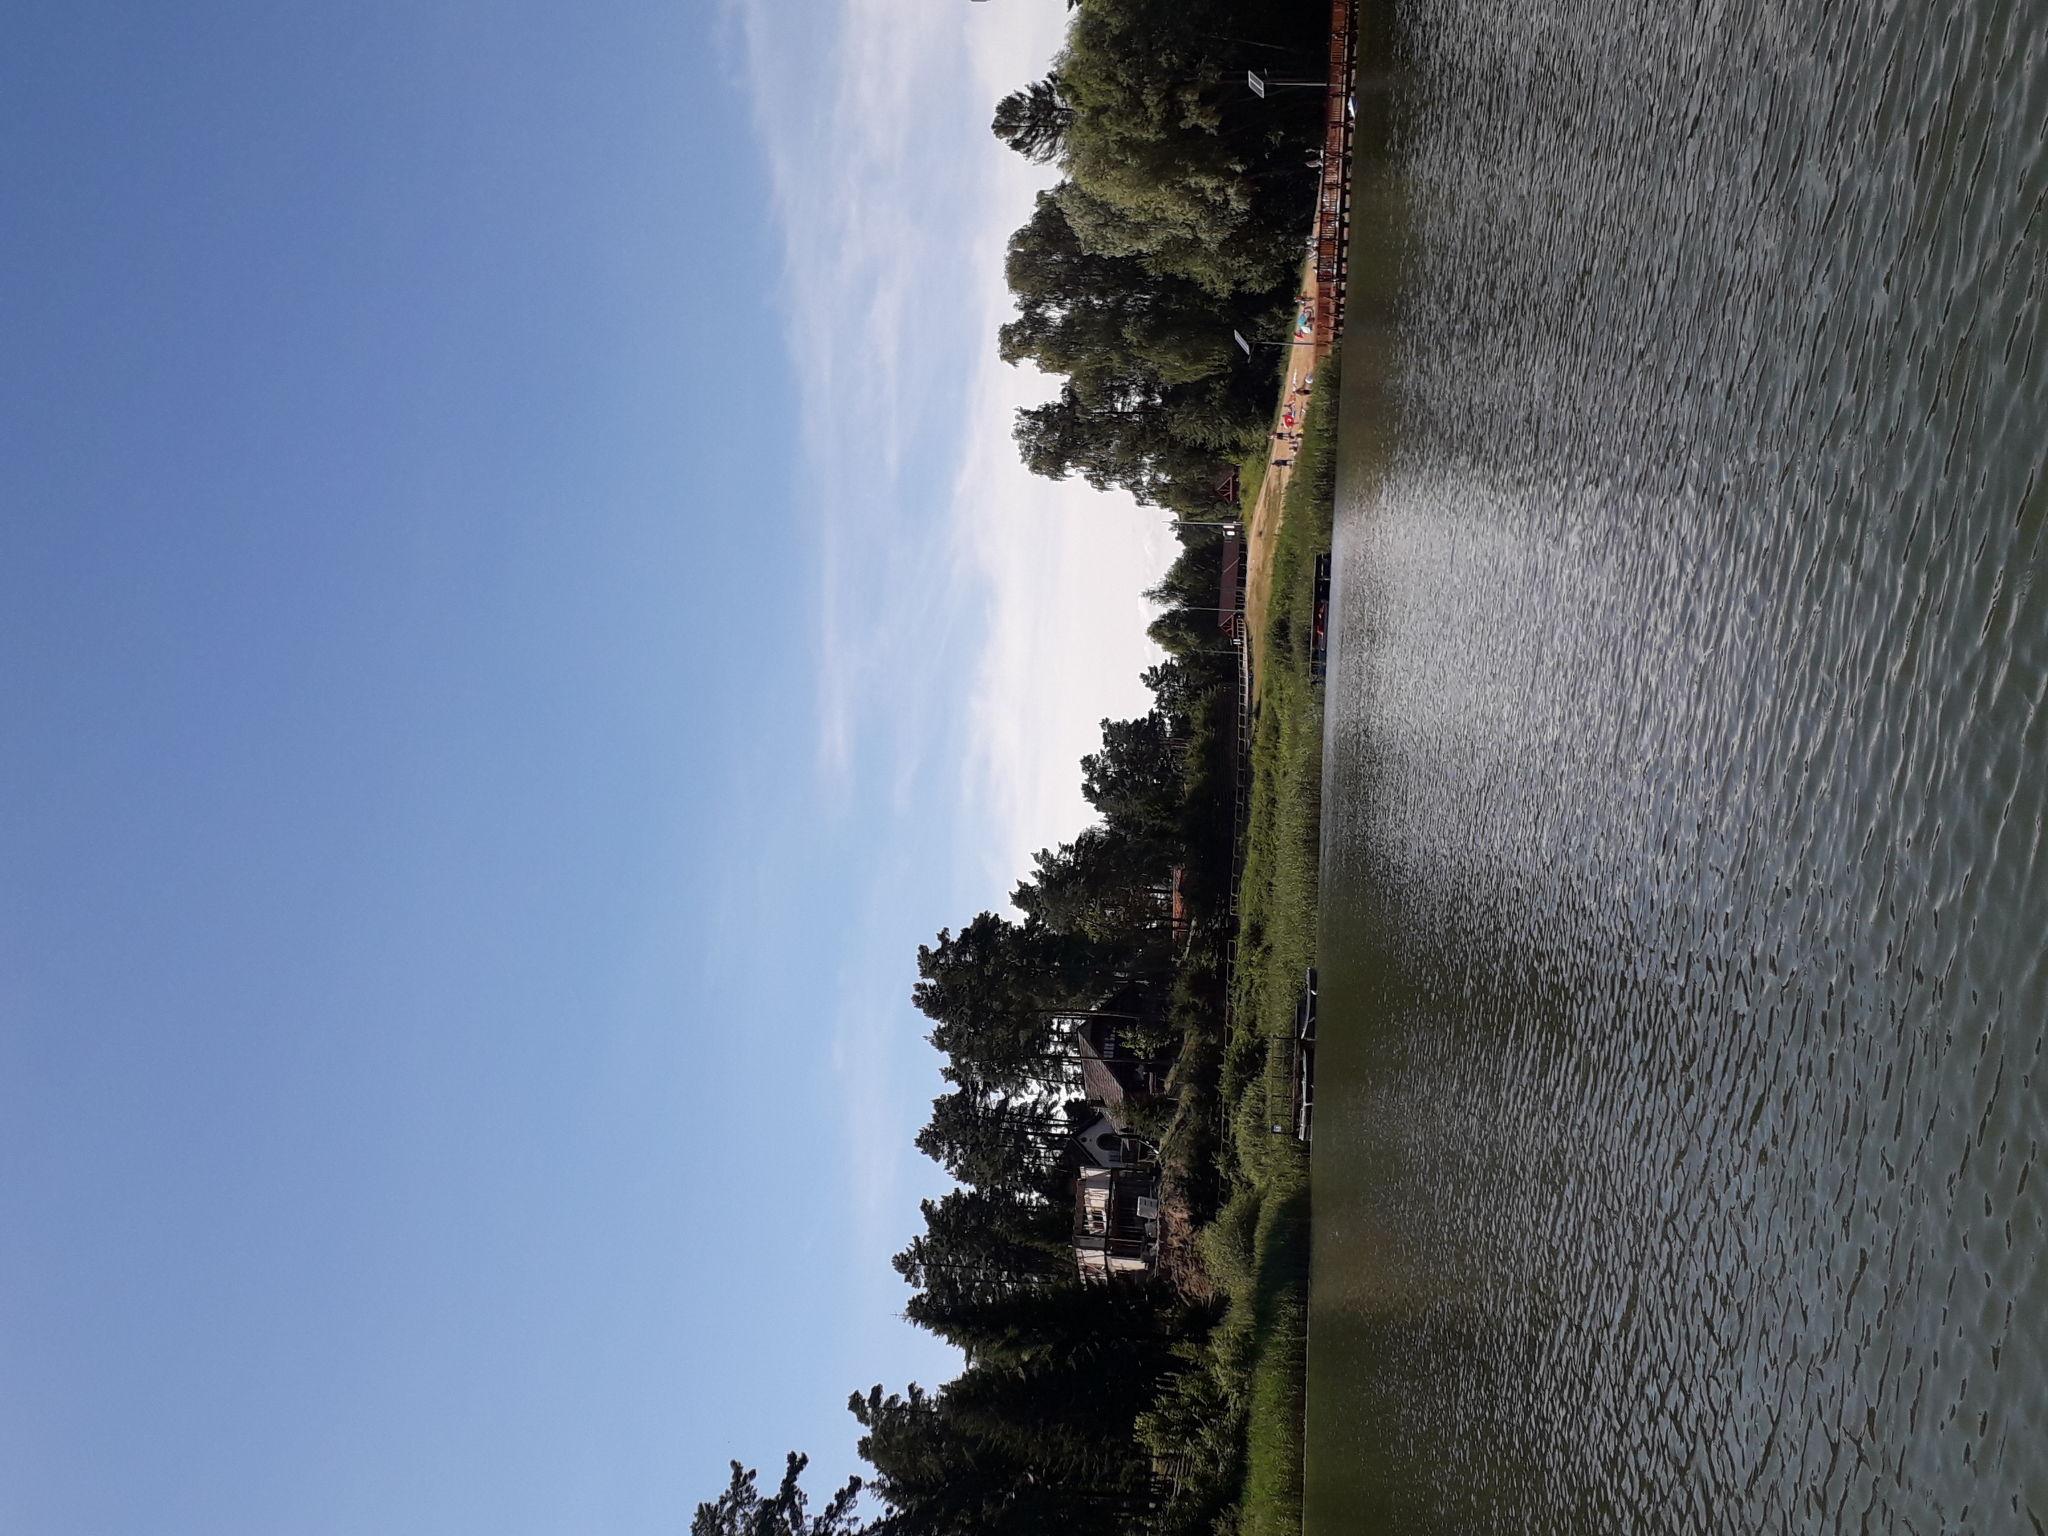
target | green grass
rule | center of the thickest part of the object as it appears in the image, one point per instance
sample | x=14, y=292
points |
x=1277, y=903
x=1277, y=912
x=1243, y=1397
x=1273, y=1440
x=1251, y=474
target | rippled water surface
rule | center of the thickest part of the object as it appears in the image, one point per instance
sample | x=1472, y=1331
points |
x=1682, y=1095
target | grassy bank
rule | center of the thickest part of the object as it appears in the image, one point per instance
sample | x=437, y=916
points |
x=1276, y=944
x=1246, y=1392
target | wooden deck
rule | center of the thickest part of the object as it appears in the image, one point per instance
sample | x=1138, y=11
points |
x=1333, y=198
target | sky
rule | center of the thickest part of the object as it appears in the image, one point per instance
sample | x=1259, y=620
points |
x=518, y=612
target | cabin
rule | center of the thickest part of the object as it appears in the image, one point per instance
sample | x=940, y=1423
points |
x=1116, y=1221
x=1100, y=1141
x=1116, y=1177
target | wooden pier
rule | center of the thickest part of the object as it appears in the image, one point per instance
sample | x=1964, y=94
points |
x=1333, y=198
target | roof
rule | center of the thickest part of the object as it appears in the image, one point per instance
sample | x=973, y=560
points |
x=1098, y=1082
x=1112, y=1072
x=1230, y=592
x=1085, y=1145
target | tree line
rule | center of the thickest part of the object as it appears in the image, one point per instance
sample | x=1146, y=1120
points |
x=1038, y=1432
x=1178, y=218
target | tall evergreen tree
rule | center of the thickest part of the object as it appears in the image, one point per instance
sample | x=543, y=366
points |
x=1034, y=120
x=743, y=1510
x=1134, y=780
x=996, y=1143
x=1104, y=884
x=979, y=1245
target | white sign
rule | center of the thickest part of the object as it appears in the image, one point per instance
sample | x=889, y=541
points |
x=1251, y=78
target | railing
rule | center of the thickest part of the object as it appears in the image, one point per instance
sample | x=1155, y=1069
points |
x=1333, y=198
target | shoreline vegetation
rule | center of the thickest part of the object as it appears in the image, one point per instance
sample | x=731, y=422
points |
x=1277, y=915
x=1123, y=1261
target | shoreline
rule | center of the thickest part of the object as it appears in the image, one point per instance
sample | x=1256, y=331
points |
x=1279, y=918
x=1268, y=510
x=1331, y=1495
x=1323, y=296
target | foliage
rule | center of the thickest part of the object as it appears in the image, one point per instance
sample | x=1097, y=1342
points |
x=1230, y=1415
x=1277, y=936
x=1227, y=1242
x=1176, y=222
x=742, y=1510
x=1103, y=885
x=1034, y=121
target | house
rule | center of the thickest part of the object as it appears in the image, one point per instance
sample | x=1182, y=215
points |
x=1116, y=1221
x=1101, y=1142
x=1116, y=1179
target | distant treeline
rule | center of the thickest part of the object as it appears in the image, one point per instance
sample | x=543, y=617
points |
x=1181, y=216
x=1040, y=1431
x=1092, y=1406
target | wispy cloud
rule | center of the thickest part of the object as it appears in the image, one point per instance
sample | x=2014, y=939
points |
x=975, y=623
x=852, y=104
x=1063, y=567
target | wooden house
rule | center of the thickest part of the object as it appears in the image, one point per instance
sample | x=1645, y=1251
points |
x=1116, y=1221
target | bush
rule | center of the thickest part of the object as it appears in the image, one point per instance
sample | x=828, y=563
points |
x=1227, y=1246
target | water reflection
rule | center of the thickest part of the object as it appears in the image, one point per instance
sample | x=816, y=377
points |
x=1682, y=1087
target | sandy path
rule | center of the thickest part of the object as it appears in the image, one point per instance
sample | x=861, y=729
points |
x=1262, y=523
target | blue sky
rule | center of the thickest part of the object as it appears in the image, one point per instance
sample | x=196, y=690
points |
x=517, y=613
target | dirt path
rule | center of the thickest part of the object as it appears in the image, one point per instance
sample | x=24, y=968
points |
x=1262, y=520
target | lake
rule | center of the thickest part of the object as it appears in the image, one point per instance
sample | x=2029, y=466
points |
x=1679, y=1157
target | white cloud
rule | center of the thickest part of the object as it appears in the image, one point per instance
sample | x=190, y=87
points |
x=1064, y=567
x=896, y=202
x=964, y=604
